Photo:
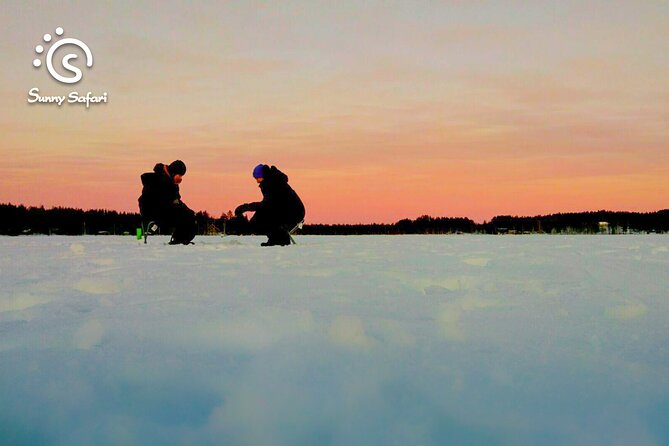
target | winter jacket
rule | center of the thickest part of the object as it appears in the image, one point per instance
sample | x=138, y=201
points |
x=159, y=193
x=280, y=202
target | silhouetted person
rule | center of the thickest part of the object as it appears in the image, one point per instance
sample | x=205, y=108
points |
x=280, y=209
x=161, y=203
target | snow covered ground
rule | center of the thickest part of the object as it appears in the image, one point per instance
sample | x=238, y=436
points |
x=399, y=340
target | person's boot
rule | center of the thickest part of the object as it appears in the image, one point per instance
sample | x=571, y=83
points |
x=283, y=238
x=279, y=237
x=271, y=241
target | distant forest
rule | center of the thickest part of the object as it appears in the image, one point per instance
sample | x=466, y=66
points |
x=22, y=220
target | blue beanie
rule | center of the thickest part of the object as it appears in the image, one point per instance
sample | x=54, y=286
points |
x=257, y=171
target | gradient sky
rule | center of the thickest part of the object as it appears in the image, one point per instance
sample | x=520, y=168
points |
x=376, y=110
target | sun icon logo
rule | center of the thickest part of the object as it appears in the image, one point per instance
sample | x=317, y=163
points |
x=65, y=61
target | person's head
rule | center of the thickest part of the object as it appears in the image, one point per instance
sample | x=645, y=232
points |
x=177, y=170
x=258, y=172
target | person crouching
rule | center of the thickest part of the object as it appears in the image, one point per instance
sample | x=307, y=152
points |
x=280, y=209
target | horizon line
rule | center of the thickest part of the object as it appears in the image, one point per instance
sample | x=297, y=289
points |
x=361, y=224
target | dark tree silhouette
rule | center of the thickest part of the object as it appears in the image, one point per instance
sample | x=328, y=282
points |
x=17, y=220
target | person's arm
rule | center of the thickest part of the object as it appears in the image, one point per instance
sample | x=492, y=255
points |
x=247, y=207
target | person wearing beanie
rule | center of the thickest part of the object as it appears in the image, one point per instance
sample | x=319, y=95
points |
x=177, y=169
x=161, y=203
x=280, y=209
x=258, y=171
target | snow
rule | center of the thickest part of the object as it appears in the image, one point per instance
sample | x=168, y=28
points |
x=384, y=340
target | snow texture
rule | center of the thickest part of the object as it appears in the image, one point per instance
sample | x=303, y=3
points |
x=379, y=340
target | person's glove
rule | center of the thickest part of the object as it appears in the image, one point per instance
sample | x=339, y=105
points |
x=241, y=209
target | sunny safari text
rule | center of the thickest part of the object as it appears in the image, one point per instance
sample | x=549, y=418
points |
x=74, y=97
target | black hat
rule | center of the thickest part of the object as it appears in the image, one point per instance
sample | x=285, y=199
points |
x=177, y=167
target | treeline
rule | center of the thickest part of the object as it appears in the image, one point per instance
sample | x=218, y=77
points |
x=421, y=225
x=565, y=223
x=583, y=223
x=22, y=220
x=18, y=220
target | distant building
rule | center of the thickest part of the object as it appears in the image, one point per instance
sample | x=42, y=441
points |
x=604, y=227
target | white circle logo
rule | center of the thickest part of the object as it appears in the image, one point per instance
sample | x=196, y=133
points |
x=65, y=61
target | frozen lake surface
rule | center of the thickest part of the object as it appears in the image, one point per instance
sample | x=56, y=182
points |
x=379, y=340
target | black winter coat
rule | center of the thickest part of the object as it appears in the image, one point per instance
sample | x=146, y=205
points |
x=280, y=203
x=159, y=193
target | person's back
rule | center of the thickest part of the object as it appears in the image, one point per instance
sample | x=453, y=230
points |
x=159, y=193
x=279, y=199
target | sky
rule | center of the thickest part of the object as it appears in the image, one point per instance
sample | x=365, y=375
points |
x=376, y=110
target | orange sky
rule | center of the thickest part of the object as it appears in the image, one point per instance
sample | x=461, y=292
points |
x=376, y=112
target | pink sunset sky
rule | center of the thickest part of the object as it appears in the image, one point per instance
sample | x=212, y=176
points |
x=376, y=110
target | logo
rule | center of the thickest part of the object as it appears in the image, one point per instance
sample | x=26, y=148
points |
x=73, y=74
x=39, y=49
